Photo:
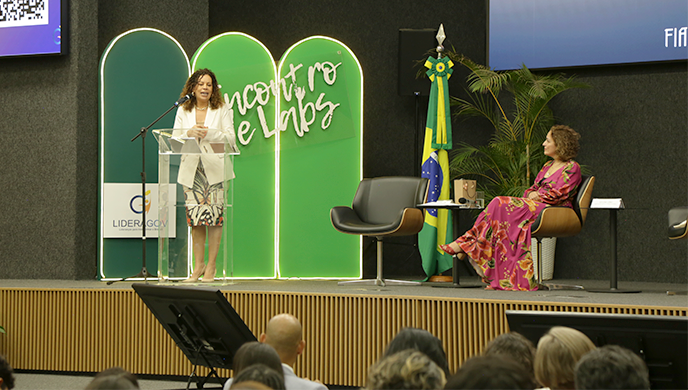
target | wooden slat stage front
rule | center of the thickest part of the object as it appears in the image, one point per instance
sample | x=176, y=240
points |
x=88, y=329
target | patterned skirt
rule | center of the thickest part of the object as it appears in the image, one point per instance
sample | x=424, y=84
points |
x=204, y=202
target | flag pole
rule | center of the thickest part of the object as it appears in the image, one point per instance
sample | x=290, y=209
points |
x=435, y=164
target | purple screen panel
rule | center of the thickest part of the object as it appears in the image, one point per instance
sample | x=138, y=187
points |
x=29, y=27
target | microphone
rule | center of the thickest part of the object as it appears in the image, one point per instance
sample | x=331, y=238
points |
x=463, y=200
x=182, y=100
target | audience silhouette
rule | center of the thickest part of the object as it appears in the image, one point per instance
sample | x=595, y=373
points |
x=407, y=369
x=557, y=353
x=611, y=367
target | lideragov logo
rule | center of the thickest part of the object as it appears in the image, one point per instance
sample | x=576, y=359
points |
x=124, y=206
x=137, y=208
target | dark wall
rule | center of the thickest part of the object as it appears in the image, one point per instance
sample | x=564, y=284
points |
x=49, y=130
x=49, y=107
x=371, y=30
x=185, y=20
x=634, y=139
x=633, y=123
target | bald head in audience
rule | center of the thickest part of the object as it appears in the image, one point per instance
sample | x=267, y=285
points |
x=284, y=334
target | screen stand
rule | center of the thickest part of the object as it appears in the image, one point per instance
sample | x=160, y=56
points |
x=192, y=337
x=201, y=322
x=200, y=382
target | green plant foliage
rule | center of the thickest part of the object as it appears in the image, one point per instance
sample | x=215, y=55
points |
x=515, y=102
x=2, y=330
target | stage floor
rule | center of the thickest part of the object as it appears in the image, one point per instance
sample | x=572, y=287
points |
x=652, y=294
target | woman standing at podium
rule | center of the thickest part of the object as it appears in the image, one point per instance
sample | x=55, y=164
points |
x=498, y=244
x=202, y=175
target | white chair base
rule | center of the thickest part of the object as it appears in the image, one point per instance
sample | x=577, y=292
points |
x=555, y=286
x=380, y=281
x=550, y=286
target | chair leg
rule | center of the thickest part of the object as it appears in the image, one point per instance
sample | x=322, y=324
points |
x=549, y=286
x=380, y=281
x=539, y=260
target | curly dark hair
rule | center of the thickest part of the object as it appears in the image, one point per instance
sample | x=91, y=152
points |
x=566, y=140
x=515, y=346
x=253, y=352
x=408, y=369
x=215, y=98
x=421, y=340
x=113, y=376
x=262, y=374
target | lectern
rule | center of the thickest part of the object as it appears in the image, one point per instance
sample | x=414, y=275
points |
x=175, y=247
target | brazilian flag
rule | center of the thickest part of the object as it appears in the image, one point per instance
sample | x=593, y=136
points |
x=438, y=139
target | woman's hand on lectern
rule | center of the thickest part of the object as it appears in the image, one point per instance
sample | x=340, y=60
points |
x=198, y=131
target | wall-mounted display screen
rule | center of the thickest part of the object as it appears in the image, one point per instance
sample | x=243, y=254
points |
x=32, y=27
x=567, y=33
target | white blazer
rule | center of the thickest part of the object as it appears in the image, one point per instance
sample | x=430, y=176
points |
x=212, y=163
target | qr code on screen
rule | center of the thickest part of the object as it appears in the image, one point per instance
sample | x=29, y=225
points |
x=17, y=13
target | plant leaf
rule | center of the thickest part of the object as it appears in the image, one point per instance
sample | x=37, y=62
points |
x=515, y=102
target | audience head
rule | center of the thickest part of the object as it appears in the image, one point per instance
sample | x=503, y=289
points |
x=421, y=340
x=407, y=369
x=114, y=378
x=514, y=346
x=566, y=141
x=611, y=367
x=259, y=373
x=250, y=385
x=491, y=372
x=6, y=374
x=557, y=353
x=254, y=352
x=284, y=334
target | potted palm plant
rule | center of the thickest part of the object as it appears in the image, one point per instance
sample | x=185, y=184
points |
x=515, y=102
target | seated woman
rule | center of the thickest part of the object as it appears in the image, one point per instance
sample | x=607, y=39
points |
x=498, y=244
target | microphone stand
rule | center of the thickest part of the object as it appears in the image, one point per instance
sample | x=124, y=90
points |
x=142, y=133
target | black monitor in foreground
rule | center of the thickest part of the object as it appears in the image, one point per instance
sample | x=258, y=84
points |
x=662, y=341
x=201, y=322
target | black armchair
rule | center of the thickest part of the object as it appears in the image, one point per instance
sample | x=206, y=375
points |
x=562, y=222
x=678, y=223
x=383, y=206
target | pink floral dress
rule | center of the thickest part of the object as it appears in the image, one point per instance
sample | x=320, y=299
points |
x=499, y=241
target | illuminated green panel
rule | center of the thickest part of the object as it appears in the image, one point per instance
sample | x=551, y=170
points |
x=141, y=74
x=319, y=168
x=239, y=60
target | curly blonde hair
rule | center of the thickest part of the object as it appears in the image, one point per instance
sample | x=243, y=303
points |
x=215, y=98
x=566, y=140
